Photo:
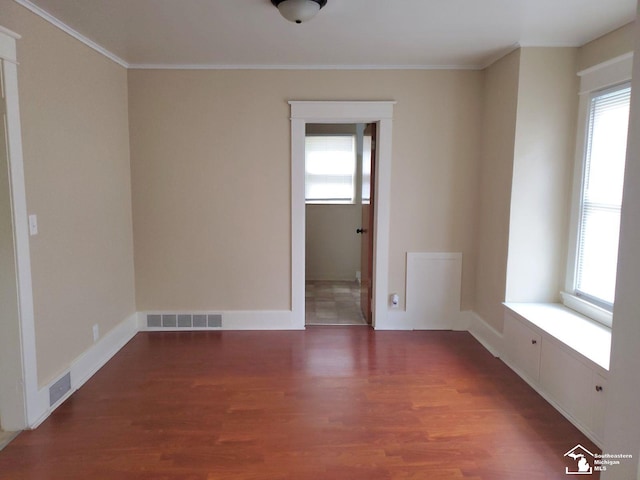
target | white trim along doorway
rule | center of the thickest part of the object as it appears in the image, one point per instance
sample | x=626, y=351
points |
x=381, y=113
x=20, y=399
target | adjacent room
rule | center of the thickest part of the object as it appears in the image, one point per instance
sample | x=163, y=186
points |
x=338, y=224
x=312, y=239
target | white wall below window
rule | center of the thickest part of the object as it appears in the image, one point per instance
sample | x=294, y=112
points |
x=332, y=244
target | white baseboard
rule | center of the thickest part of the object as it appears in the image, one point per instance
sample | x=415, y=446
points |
x=102, y=351
x=233, y=320
x=262, y=320
x=489, y=337
x=396, y=319
x=407, y=320
x=87, y=364
x=94, y=358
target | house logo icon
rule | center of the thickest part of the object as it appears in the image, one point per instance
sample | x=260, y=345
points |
x=583, y=459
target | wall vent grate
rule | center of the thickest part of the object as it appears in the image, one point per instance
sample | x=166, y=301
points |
x=214, y=321
x=184, y=321
x=59, y=389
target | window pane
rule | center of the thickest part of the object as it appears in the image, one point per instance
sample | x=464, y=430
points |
x=366, y=169
x=599, y=254
x=602, y=195
x=330, y=168
x=607, y=147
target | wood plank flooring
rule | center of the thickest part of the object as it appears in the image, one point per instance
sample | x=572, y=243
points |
x=6, y=437
x=328, y=403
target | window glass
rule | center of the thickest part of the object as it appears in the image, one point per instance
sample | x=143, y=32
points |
x=330, y=168
x=601, y=198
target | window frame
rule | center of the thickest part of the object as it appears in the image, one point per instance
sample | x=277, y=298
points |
x=594, y=81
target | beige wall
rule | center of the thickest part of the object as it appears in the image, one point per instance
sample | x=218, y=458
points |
x=211, y=180
x=608, y=46
x=528, y=154
x=211, y=177
x=496, y=169
x=76, y=156
x=542, y=174
x=332, y=244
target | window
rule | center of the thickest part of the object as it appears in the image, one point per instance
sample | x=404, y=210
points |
x=598, y=229
x=330, y=168
x=366, y=169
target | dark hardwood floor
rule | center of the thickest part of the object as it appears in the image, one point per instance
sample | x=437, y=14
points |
x=328, y=403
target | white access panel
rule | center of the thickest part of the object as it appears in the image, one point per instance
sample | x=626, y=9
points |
x=433, y=290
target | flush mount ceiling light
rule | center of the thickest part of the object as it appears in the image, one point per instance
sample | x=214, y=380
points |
x=299, y=11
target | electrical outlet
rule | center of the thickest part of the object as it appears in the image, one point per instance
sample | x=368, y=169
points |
x=96, y=332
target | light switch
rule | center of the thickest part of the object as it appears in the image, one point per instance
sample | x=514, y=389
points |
x=33, y=224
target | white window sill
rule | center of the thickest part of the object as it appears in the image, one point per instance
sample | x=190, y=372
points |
x=587, y=309
x=587, y=337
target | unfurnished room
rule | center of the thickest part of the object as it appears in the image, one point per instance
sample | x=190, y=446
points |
x=319, y=239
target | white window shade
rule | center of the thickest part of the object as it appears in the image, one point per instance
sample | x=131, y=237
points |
x=330, y=168
x=601, y=197
x=366, y=169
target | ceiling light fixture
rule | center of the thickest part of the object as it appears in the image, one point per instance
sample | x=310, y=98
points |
x=299, y=11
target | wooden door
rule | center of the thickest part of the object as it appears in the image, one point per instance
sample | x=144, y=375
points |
x=366, y=228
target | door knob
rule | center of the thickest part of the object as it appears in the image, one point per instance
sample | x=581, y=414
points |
x=361, y=230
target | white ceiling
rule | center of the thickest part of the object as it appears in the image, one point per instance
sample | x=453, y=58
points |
x=346, y=33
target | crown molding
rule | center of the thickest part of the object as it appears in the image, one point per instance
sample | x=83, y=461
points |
x=145, y=66
x=503, y=53
x=70, y=31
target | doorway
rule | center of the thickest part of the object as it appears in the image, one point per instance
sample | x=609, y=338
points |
x=342, y=112
x=338, y=226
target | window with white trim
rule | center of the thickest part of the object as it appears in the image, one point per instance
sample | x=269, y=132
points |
x=330, y=169
x=600, y=201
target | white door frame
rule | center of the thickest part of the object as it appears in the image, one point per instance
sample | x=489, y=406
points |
x=21, y=410
x=380, y=112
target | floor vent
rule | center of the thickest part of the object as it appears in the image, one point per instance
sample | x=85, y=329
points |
x=184, y=320
x=59, y=389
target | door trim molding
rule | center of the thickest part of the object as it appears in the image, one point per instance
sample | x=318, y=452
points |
x=29, y=410
x=380, y=112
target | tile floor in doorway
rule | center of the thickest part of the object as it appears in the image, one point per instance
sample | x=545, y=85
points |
x=330, y=302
